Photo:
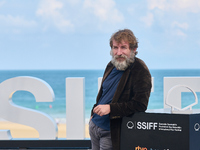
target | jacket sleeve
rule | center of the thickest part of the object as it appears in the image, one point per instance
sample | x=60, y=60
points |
x=138, y=98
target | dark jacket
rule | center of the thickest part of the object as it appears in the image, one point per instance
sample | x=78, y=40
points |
x=132, y=95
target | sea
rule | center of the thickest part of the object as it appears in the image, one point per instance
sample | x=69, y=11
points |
x=56, y=79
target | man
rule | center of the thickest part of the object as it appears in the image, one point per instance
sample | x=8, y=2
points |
x=125, y=89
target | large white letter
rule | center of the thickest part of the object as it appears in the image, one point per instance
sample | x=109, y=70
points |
x=183, y=84
x=75, y=108
x=43, y=123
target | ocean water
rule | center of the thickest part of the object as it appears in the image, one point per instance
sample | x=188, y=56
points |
x=56, y=79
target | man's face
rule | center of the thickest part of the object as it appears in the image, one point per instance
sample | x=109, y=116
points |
x=121, y=49
x=122, y=56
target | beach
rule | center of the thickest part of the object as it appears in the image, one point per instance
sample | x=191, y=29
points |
x=22, y=131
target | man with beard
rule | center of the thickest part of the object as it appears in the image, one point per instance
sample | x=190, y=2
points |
x=125, y=89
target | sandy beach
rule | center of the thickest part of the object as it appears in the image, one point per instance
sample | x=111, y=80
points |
x=22, y=131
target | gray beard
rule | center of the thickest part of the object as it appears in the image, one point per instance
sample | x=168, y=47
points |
x=123, y=65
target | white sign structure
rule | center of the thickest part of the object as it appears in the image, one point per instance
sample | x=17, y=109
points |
x=75, y=103
x=75, y=108
x=40, y=121
x=174, y=86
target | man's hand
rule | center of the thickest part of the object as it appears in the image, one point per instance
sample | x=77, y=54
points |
x=102, y=109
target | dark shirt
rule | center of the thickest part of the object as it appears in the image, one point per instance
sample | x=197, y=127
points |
x=109, y=87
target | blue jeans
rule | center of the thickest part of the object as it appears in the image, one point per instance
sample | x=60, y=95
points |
x=100, y=138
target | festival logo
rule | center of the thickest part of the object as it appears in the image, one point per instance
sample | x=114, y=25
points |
x=142, y=125
x=130, y=125
x=196, y=127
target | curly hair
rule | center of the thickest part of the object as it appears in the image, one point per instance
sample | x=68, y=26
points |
x=127, y=36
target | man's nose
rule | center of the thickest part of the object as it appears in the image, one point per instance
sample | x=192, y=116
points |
x=119, y=52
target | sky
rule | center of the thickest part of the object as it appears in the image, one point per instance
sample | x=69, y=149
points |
x=74, y=34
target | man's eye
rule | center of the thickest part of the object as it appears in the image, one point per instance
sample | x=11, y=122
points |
x=124, y=47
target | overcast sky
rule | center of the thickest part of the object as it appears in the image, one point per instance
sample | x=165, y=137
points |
x=74, y=34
